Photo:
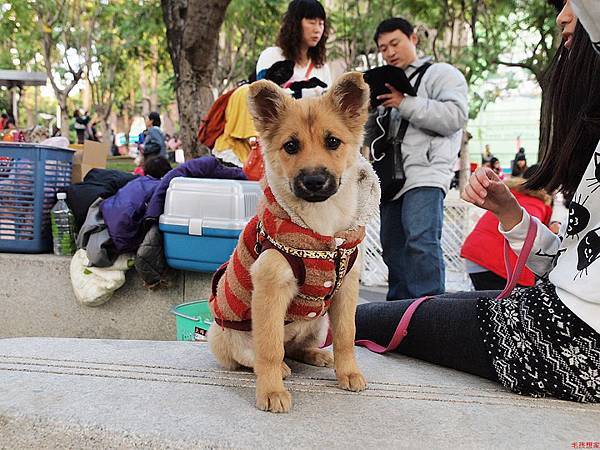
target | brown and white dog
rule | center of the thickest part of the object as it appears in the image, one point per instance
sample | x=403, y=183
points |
x=270, y=300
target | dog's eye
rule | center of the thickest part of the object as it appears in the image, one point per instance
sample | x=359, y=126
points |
x=291, y=147
x=332, y=143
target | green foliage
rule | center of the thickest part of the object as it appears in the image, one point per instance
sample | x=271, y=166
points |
x=250, y=26
x=18, y=31
x=4, y=102
x=476, y=36
x=118, y=44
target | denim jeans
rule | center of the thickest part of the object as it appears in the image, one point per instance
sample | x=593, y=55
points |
x=411, y=233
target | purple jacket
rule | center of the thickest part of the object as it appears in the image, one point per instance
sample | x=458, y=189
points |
x=203, y=167
x=144, y=198
x=123, y=213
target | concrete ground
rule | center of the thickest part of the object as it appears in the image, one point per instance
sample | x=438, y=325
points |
x=78, y=393
x=60, y=391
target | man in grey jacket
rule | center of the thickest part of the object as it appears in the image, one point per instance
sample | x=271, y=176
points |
x=412, y=215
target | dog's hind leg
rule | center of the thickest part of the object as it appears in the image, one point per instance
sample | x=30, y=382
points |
x=304, y=346
x=274, y=288
x=221, y=347
x=313, y=356
x=233, y=349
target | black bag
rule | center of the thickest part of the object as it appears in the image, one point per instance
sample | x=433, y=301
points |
x=390, y=168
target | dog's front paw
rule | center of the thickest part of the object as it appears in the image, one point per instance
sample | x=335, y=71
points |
x=278, y=402
x=352, y=382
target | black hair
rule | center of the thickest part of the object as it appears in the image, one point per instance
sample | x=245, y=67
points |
x=157, y=167
x=155, y=118
x=558, y=5
x=520, y=157
x=570, y=116
x=531, y=170
x=4, y=116
x=393, y=24
x=290, y=33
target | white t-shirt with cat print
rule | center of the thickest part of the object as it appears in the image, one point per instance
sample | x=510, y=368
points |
x=571, y=259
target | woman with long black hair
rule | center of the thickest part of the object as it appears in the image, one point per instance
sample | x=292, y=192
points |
x=542, y=340
x=299, y=61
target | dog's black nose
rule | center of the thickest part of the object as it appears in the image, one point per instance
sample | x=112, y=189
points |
x=314, y=182
x=315, y=185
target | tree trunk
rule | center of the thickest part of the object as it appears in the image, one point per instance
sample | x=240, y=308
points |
x=154, y=79
x=192, y=34
x=64, y=115
x=144, y=91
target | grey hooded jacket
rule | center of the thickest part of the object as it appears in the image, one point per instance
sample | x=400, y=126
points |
x=437, y=116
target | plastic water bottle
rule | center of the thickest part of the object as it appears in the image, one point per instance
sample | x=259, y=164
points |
x=63, y=230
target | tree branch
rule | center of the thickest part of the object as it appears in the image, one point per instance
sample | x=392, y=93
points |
x=519, y=64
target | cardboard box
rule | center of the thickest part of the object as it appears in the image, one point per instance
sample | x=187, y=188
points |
x=90, y=155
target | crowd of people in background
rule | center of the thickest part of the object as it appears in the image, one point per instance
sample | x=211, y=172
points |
x=518, y=165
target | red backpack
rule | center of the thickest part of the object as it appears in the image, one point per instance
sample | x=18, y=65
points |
x=213, y=123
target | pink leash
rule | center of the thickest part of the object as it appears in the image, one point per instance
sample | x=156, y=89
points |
x=513, y=275
x=399, y=334
x=511, y=282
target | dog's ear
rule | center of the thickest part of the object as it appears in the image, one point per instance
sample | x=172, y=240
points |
x=350, y=96
x=266, y=102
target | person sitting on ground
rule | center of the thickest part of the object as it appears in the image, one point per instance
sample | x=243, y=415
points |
x=483, y=249
x=542, y=340
x=157, y=167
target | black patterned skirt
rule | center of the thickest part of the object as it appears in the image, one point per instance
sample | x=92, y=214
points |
x=538, y=347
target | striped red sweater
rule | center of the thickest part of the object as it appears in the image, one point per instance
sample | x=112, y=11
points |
x=232, y=289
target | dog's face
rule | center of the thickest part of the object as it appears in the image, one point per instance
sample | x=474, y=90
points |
x=309, y=143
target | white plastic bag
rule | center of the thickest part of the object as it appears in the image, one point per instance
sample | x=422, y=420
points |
x=94, y=286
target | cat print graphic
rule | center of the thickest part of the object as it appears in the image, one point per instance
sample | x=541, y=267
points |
x=579, y=217
x=588, y=251
x=596, y=178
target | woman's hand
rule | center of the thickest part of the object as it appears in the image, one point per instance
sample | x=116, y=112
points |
x=486, y=190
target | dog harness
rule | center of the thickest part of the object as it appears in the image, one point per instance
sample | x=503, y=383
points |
x=319, y=263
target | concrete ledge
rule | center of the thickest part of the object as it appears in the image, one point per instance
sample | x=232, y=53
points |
x=79, y=393
x=36, y=299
